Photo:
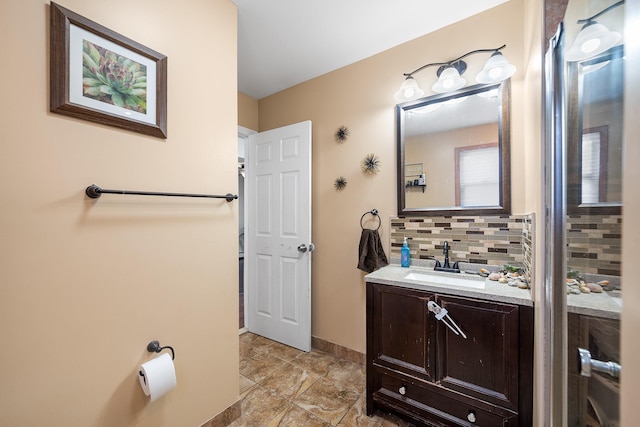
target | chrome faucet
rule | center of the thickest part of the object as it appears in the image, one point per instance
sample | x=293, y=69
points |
x=446, y=267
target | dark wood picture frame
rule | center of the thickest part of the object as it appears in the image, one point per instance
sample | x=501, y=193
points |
x=152, y=121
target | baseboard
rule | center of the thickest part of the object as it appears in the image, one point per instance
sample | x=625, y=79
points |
x=338, y=350
x=226, y=417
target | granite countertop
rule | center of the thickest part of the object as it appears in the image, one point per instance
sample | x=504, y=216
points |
x=593, y=304
x=603, y=304
x=493, y=291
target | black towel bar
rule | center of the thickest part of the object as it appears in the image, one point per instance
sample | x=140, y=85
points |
x=373, y=212
x=94, y=192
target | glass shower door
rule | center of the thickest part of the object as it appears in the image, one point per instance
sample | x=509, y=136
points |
x=584, y=220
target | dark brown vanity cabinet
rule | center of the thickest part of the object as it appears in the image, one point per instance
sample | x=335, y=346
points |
x=419, y=368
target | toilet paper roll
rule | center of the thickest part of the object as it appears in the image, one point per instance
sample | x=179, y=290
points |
x=157, y=376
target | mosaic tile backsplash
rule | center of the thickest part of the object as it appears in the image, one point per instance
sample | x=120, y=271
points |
x=594, y=244
x=490, y=240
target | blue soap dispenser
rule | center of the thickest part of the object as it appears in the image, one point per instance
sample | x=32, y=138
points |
x=405, y=254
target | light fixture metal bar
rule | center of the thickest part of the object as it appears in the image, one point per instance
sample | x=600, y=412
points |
x=455, y=60
x=602, y=12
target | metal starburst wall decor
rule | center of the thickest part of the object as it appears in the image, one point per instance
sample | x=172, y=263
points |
x=370, y=164
x=340, y=183
x=341, y=134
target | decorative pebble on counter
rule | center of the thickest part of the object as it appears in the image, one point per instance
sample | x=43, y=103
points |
x=510, y=276
x=578, y=287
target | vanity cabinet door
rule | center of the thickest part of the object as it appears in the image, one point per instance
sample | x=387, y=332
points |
x=405, y=331
x=485, y=365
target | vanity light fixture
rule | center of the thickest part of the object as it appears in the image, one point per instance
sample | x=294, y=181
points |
x=409, y=89
x=450, y=79
x=594, y=38
x=450, y=73
x=496, y=69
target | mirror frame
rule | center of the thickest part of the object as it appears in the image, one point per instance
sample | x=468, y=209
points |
x=504, y=139
x=574, y=140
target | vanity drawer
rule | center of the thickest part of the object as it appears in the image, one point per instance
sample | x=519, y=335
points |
x=431, y=407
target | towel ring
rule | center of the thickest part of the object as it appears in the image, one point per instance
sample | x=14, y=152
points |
x=373, y=212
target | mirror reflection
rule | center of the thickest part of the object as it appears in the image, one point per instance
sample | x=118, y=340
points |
x=453, y=152
x=595, y=134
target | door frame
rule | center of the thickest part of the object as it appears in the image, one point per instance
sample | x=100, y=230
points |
x=244, y=133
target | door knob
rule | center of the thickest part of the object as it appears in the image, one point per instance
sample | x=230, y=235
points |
x=587, y=364
x=403, y=390
x=303, y=248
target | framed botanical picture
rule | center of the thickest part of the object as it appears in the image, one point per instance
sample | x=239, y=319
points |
x=104, y=77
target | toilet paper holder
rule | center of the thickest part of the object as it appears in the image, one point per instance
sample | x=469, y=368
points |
x=154, y=347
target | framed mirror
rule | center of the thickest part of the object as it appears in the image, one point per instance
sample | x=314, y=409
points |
x=453, y=153
x=594, y=135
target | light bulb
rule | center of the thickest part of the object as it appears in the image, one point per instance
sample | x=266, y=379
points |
x=494, y=73
x=590, y=45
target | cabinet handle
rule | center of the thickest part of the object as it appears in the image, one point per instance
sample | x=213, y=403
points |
x=403, y=390
x=471, y=416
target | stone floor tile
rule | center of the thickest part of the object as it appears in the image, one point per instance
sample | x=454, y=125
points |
x=259, y=407
x=349, y=373
x=293, y=415
x=284, y=352
x=328, y=400
x=259, y=366
x=357, y=416
x=315, y=361
x=290, y=381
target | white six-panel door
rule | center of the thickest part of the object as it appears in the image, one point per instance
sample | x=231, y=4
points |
x=278, y=234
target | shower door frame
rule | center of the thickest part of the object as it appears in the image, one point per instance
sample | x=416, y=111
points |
x=554, y=305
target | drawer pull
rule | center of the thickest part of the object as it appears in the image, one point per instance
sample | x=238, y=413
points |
x=403, y=390
x=471, y=417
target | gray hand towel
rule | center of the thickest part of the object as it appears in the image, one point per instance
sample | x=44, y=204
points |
x=371, y=254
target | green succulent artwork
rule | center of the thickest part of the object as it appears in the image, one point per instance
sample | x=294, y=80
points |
x=112, y=78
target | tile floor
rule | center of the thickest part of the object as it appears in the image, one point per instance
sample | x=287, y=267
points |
x=283, y=386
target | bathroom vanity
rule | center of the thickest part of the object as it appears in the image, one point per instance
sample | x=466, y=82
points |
x=425, y=370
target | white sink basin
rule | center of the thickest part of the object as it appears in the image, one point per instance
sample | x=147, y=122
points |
x=448, y=279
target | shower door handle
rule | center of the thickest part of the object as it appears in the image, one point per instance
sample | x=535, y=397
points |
x=587, y=365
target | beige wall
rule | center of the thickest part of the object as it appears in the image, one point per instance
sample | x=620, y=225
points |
x=85, y=285
x=360, y=97
x=247, y=111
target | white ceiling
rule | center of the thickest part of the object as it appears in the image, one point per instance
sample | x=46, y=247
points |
x=285, y=42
